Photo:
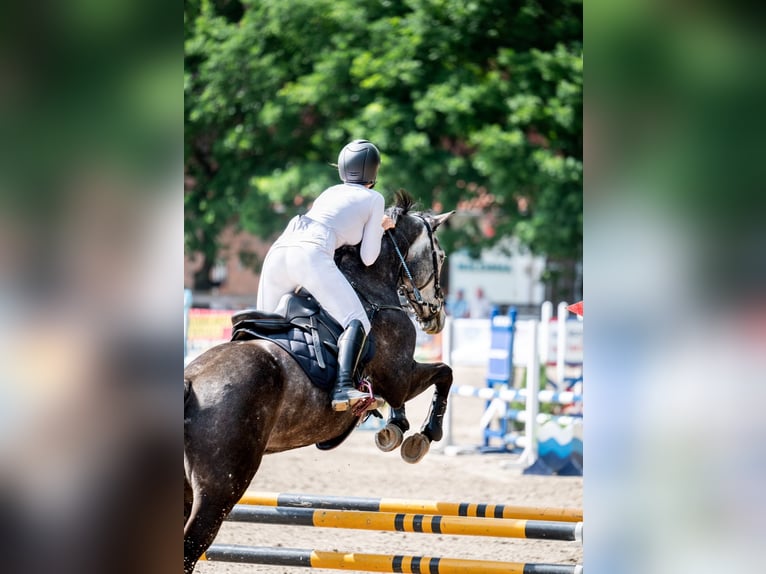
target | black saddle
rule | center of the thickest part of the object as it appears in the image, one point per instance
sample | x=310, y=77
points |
x=302, y=328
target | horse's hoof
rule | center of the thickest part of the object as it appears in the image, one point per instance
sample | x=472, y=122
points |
x=389, y=437
x=415, y=448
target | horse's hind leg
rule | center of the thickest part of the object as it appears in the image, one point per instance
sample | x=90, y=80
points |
x=415, y=447
x=188, y=500
x=201, y=529
x=216, y=491
x=224, y=442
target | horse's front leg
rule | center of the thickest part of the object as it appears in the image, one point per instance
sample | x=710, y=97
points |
x=391, y=436
x=432, y=427
x=415, y=447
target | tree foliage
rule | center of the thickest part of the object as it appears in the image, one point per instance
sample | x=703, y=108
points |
x=474, y=104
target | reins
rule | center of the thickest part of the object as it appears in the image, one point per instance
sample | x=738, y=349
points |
x=434, y=262
x=375, y=307
x=419, y=301
x=415, y=290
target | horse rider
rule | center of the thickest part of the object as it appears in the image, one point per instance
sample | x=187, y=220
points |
x=344, y=214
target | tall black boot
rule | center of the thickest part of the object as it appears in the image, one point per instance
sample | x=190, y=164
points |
x=350, y=344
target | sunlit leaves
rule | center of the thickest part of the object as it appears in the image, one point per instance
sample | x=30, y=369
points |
x=463, y=99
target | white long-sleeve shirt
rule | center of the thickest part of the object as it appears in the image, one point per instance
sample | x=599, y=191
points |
x=354, y=213
x=303, y=255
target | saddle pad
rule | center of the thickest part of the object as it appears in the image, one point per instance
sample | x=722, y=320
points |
x=300, y=344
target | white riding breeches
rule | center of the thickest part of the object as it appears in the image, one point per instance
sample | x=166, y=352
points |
x=303, y=257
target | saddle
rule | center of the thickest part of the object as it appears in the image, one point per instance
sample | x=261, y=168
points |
x=302, y=328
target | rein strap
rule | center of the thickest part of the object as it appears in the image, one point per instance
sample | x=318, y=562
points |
x=418, y=296
x=437, y=286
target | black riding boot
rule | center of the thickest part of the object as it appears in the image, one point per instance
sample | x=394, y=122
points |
x=350, y=344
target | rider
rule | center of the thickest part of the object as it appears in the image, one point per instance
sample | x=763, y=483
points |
x=343, y=214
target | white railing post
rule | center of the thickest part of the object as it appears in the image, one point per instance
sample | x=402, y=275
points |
x=562, y=313
x=529, y=454
x=546, y=314
x=447, y=359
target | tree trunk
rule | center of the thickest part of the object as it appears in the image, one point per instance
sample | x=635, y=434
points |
x=202, y=281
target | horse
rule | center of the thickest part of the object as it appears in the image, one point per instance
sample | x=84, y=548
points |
x=244, y=399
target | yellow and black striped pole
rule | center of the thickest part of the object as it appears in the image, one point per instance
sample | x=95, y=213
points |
x=376, y=562
x=478, y=510
x=401, y=522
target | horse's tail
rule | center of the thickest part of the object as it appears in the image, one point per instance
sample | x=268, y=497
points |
x=187, y=391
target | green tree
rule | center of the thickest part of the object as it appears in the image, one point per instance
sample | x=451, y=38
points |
x=474, y=104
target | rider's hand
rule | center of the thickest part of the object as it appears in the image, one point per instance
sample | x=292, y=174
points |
x=387, y=223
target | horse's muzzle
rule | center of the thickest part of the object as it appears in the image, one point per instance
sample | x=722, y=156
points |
x=435, y=323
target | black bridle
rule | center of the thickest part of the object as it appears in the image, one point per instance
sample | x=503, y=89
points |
x=425, y=310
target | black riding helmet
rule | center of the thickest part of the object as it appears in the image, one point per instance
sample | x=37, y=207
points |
x=358, y=162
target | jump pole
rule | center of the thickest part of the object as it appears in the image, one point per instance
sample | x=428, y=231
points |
x=513, y=395
x=375, y=562
x=471, y=509
x=400, y=522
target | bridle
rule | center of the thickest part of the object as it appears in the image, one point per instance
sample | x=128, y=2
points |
x=425, y=310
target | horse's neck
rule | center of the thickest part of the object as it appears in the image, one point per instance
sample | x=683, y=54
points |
x=376, y=284
x=376, y=291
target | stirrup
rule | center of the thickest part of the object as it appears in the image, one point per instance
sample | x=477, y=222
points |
x=350, y=398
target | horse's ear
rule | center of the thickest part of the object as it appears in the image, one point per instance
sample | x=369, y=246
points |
x=437, y=220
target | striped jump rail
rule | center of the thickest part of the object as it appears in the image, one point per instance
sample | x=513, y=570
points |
x=375, y=562
x=469, y=509
x=401, y=522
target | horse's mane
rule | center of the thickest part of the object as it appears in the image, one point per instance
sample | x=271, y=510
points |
x=403, y=204
x=404, y=200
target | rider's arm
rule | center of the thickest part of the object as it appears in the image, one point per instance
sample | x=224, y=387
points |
x=373, y=231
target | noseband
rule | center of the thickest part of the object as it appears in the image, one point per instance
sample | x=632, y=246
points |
x=425, y=310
